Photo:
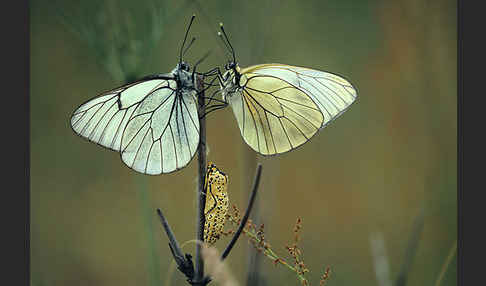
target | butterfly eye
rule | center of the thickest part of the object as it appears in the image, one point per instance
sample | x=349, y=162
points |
x=185, y=66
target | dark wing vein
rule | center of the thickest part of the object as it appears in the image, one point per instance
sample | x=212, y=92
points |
x=185, y=128
x=254, y=121
x=150, y=150
x=270, y=131
x=299, y=115
x=285, y=131
x=173, y=143
x=278, y=97
x=333, y=91
x=141, y=142
x=101, y=119
x=189, y=113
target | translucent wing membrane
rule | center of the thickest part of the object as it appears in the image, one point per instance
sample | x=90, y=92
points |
x=273, y=115
x=163, y=133
x=103, y=119
x=280, y=107
x=332, y=93
x=155, y=129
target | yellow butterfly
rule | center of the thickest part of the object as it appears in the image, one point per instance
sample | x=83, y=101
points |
x=279, y=107
x=217, y=203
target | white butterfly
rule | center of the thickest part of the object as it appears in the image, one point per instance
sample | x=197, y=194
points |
x=152, y=122
x=279, y=107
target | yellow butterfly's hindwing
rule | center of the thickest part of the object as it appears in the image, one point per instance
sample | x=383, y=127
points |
x=217, y=203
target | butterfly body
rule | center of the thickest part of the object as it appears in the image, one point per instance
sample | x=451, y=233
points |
x=184, y=78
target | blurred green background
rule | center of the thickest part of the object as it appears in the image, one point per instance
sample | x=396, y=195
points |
x=367, y=175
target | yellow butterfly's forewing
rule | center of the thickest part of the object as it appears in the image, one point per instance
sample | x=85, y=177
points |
x=217, y=203
x=332, y=93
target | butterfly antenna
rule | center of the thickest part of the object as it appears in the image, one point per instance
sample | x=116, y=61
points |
x=203, y=58
x=199, y=61
x=185, y=37
x=220, y=35
x=188, y=46
x=227, y=41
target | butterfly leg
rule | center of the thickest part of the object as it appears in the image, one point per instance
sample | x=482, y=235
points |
x=215, y=71
x=210, y=84
x=214, y=108
x=197, y=63
x=211, y=98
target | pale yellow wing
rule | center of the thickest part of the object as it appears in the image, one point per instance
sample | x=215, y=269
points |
x=274, y=114
x=332, y=93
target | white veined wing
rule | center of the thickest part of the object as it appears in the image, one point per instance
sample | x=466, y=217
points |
x=152, y=123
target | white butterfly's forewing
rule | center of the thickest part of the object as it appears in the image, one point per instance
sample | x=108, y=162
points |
x=103, y=119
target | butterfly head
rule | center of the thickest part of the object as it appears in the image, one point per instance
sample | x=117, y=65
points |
x=232, y=70
x=230, y=65
x=183, y=66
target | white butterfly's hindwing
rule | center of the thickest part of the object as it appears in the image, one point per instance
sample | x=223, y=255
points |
x=155, y=129
x=164, y=138
x=281, y=107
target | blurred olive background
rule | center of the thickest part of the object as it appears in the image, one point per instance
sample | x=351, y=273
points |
x=367, y=175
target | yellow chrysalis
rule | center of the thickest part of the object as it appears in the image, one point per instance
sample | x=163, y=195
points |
x=216, y=187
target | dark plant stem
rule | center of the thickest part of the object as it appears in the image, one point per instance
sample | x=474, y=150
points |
x=247, y=213
x=201, y=153
x=173, y=244
x=184, y=263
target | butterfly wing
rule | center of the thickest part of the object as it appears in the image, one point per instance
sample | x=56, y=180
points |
x=163, y=133
x=332, y=93
x=281, y=107
x=103, y=119
x=155, y=130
